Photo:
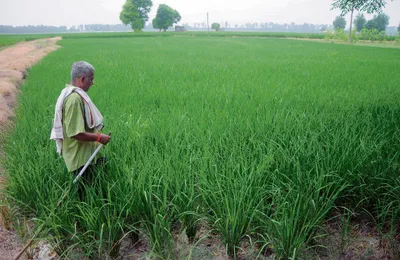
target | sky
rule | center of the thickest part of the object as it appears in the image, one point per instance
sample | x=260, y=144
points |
x=75, y=12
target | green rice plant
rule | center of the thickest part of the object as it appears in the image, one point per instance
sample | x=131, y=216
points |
x=253, y=137
x=234, y=189
x=102, y=221
x=153, y=209
x=233, y=205
x=186, y=203
x=345, y=229
x=299, y=212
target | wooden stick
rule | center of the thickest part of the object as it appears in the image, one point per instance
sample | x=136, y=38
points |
x=16, y=257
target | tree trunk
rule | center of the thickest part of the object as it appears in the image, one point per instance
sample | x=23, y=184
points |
x=351, y=25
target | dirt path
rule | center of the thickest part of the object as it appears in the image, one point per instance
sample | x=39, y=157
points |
x=14, y=62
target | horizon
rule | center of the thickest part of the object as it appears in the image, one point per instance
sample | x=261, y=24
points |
x=107, y=12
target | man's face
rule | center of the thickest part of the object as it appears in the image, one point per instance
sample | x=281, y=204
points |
x=87, y=81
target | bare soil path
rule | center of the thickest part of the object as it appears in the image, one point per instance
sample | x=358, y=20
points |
x=14, y=62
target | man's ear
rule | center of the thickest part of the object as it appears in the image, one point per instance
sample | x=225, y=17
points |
x=81, y=79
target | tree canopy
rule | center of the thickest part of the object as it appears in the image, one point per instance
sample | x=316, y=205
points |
x=339, y=22
x=135, y=13
x=369, y=6
x=166, y=17
x=360, y=21
x=379, y=22
x=216, y=26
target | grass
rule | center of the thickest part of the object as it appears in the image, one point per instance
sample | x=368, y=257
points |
x=195, y=34
x=253, y=137
x=10, y=39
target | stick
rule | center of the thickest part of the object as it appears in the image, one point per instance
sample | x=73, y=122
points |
x=23, y=249
x=81, y=173
x=17, y=256
x=88, y=163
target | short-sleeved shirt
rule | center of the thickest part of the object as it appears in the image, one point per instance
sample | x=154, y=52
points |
x=75, y=153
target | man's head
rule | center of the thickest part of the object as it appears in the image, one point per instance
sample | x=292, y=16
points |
x=82, y=75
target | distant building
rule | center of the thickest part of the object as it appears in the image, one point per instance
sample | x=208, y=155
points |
x=180, y=29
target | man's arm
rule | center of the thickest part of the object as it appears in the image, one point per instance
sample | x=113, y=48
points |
x=89, y=137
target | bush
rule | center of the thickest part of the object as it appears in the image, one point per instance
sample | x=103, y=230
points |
x=340, y=35
x=372, y=35
x=364, y=34
x=328, y=35
x=381, y=36
x=354, y=35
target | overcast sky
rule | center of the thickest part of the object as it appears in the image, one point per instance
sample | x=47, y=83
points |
x=74, y=12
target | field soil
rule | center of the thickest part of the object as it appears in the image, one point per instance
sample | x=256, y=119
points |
x=14, y=63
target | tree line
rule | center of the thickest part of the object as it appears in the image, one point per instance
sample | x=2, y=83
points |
x=254, y=27
x=378, y=23
x=64, y=29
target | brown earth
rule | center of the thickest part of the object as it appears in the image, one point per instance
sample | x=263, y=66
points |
x=14, y=62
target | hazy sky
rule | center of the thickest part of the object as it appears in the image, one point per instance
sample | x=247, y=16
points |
x=74, y=12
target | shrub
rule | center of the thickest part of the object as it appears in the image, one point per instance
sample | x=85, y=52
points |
x=354, y=35
x=340, y=35
x=328, y=35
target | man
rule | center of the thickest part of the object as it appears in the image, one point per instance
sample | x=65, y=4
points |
x=77, y=120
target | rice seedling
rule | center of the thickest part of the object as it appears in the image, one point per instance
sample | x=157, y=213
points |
x=252, y=137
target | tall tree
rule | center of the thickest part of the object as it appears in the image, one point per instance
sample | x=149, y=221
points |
x=379, y=22
x=360, y=21
x=371, y=24
x=339, y=22
x=382, y=21
x=216, y=26
x=369, y=6
x=398, y=29
x=166, y=17
x=135, y=13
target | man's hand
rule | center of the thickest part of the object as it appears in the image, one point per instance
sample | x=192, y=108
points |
x=104, y=139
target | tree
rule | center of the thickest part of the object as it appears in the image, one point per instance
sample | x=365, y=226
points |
x=360, y=22
x=339, y=23
x=398, y=28
x=166, y=17
x=370, y=25
x=369, y=6
x=379, y=22
x=135, y=13
x=216, y=26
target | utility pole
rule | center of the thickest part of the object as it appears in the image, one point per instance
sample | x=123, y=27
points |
x=208, y=27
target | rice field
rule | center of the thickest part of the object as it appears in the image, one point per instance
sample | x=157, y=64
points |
x=254, y=139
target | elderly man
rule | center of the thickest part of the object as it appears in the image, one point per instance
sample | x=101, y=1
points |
x=77, y=121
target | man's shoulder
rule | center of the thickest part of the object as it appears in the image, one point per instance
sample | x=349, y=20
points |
x=73, y=98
